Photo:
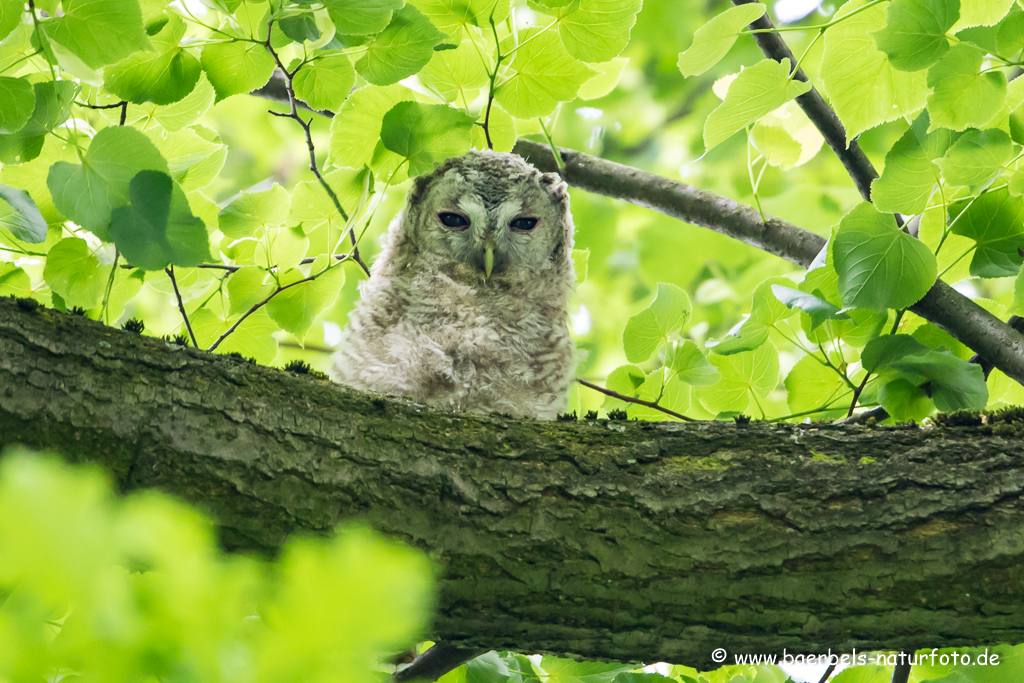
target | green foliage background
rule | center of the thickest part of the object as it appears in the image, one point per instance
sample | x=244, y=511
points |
x=130, y=150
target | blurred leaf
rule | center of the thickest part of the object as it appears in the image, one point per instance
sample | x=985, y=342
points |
x=744, y=375
x=253, y=212
x=52, y=108
x=690, y=364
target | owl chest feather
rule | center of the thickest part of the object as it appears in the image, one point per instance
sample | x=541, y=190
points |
x=460, y=346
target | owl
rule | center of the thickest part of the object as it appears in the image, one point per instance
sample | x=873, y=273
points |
x=466, y=307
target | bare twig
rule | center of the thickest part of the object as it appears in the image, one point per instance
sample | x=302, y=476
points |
x=181, y=305
x=901, y=672
x=968, y=322
x=231, y=269
x=490, y=88
x=637, y=401
x=436, y=662
x=294, y=114
x=828, y=672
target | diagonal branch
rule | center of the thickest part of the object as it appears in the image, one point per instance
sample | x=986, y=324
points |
x=994, y=340
x=818, y=111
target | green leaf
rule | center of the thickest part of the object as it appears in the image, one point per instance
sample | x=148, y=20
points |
x=1010, y=35
x=17, y=102
x=88, y=192
x=689, y=364
x=649, y=328
x=454, y=72
x=74, y=273
x=251, y=213
x=994, y=222
x=53, y=101
x=361, y=17
x=246, y=288
x=253, y=338
x=751, y=373
x=541, y=74
x=713, y=40
x=21, y=215
x=426, y=134
x=10, y=17
x=189, y=110
x=756, y=91
x=296, y=308
x=608, y=74
x=194, y=161
x=313, y=209
x=962, y=96
x=400, y=50
x=813, y=305
x=910, y=172
x=954, y=384
x=453, y=16
x=982, y=12
x=746, y=335
x=879, y=265
x=299, y=28
x=99, y=32
x=162, y=77
x=862, y=85
x=811, y=385
x=158, y=229
x=915, y=36
x=14, y=280
x=598, y=30
x=355, y=131
x=976, y=158
x=904, y=400
x=325, y=83
x=236, y=68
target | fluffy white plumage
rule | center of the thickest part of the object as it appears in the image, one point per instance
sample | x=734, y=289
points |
x=433, y=326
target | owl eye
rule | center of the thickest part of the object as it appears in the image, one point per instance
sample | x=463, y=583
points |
x=523, y=224
x=453, y=220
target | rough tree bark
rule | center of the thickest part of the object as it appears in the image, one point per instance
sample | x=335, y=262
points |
x=600, y=539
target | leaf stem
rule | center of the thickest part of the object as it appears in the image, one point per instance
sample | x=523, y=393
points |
x=110, y=286
x=181, y=305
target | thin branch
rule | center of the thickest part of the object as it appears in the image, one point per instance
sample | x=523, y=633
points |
x=828, y=672
x=968, y=322
x=86, y=105
x=490, y=88
x=181, y=305
x=294, y=114
x=901, y=672
x=232, y=269
x=637, y=401
x=124, y=112
x=261, y=304
x=436, y=662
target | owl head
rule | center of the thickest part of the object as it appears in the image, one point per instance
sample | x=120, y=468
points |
x=490, y=216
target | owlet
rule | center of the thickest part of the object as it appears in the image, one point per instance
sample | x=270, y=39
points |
x=466, y=305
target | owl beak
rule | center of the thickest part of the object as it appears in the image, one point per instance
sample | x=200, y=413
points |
x=488, y=258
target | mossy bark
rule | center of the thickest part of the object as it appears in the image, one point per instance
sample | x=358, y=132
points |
x=615, y=540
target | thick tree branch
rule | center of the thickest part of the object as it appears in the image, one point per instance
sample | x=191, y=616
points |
x=975, y=327
x=619, y=540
